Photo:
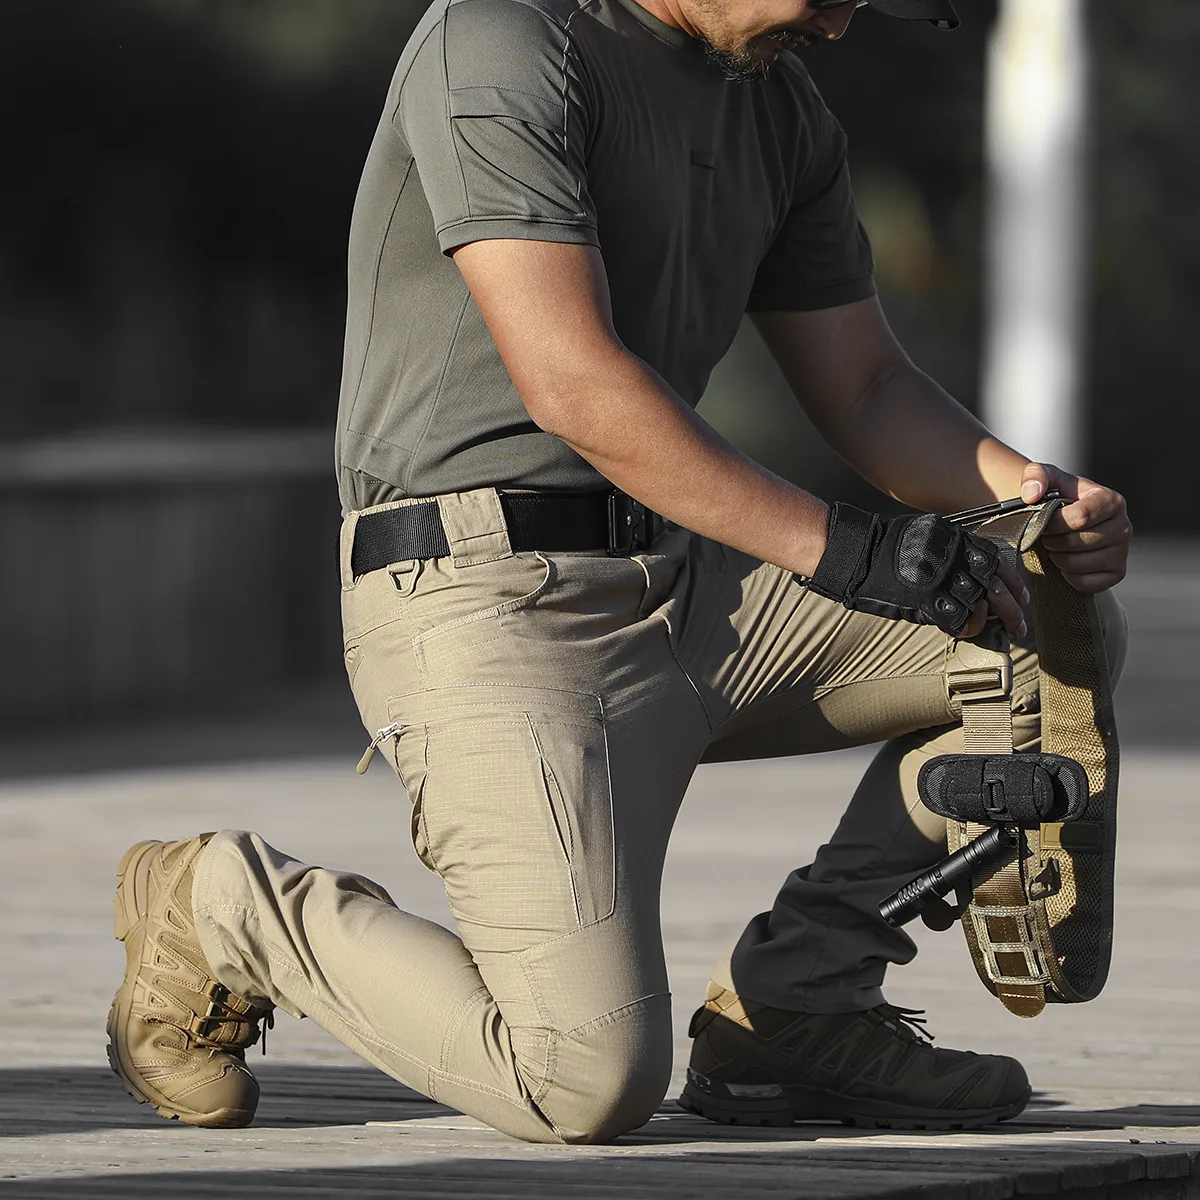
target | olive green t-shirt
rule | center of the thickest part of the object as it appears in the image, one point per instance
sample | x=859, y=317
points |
x=585, y=121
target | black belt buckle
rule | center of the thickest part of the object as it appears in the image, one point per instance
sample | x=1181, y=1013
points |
x=630, y=524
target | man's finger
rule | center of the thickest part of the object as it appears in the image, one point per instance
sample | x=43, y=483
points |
x=1091, y=583
x=1004, y=605
x=1091, y=509
x=1108, y=561
x=1076, y=543
x=1114, y=531
x=1011, y=578
x=1089, y=562
x=1036, y=481
x=1075, y=517
x=976, y=621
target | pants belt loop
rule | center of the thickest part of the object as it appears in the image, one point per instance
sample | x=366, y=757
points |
x=346, y=549
x=475, y=526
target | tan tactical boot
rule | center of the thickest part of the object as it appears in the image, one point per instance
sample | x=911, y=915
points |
x=177, y=1037
x=755, y=1065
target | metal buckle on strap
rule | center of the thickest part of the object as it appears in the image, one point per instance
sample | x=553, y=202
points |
x=630, y=524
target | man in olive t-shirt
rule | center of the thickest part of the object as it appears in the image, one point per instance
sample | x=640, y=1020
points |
x=562, y=590
x=596, y=126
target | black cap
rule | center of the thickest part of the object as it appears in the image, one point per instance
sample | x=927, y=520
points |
x=940, y=12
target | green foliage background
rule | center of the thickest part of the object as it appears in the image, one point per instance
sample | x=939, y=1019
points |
x=181, y=175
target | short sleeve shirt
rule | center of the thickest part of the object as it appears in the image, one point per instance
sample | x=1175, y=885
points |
x=586, y=121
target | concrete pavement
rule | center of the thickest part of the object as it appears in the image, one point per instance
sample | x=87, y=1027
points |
x=1117, y=1113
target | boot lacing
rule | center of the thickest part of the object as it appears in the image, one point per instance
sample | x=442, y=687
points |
x=909, y=1023
x=219, y=1012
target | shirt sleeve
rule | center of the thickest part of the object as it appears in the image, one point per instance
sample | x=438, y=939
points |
x=494, y=112
x=821, y=256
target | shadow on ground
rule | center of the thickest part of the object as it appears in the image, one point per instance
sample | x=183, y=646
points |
x=60, y=1100
x=676, y=1155
x=52, y=1100
x=828, y=1172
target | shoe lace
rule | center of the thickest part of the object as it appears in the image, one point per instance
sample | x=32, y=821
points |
x=218, y=1012
x=909, y=1023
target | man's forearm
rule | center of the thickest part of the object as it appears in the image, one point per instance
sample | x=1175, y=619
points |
x=914, y=441
x=648, y=442
x=547, y=306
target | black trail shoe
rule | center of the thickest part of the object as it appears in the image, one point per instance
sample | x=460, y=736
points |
x=755, y=1065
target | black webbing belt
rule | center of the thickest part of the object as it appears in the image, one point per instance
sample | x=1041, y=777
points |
x=609, y=521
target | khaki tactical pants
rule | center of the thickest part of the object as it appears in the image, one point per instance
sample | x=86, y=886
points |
x=548, y=712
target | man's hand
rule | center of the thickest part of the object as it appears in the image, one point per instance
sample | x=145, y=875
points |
x=922, y=569
x=1088, y=538
x=1006, y=599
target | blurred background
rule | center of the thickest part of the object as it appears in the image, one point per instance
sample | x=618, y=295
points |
x=179, y=176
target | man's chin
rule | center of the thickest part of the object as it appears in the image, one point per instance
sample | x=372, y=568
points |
x=744, y=65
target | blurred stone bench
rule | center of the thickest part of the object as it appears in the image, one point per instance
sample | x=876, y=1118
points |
x=165, y=568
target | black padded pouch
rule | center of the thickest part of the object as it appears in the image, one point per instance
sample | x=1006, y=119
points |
x=1005, y=789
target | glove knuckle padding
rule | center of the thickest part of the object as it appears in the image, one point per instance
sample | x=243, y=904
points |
x=925, y=551
x=921, y=569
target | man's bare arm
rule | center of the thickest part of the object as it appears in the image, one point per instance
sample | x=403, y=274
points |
x=905, y=434
x=547, y=308
x=888, y=419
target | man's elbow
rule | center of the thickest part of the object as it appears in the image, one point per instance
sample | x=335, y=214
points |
x=569, y=402
x=549, y=407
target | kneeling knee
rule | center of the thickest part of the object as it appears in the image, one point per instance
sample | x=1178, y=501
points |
x=611, y=1075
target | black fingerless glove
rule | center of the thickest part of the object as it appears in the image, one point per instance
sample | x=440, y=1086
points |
x=921, y=569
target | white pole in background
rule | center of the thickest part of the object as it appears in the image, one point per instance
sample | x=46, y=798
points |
x=1036, y=132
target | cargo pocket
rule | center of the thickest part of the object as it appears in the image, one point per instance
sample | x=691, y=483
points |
x=513, y=807
x=410, y=747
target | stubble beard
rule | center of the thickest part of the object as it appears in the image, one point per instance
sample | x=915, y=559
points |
x=741, y=63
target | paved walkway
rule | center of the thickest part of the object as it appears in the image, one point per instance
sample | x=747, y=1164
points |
x=1117, y=1113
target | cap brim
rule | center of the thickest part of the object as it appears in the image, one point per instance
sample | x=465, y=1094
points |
x=941, y=12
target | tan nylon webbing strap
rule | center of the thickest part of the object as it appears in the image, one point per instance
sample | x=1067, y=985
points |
x=1076, y=916
x=1041, y=928
x=979, y=673
x=998, y=924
